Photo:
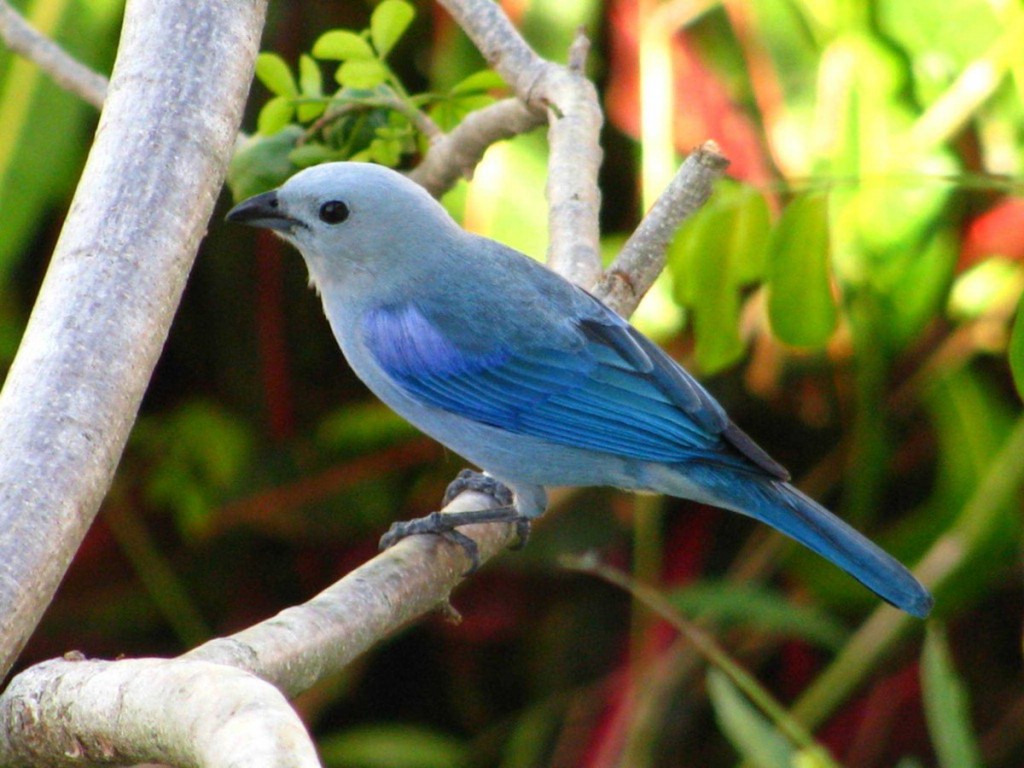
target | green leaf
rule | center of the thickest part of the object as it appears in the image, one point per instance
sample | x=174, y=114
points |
x=386, y=152
x=706, y=286
x=801, y=307
x=946, y=705
x=307, y=112
x=313, y=154
x=991, y=286
x=275, y=115
x=361, y=73
x=310, y=80
x=392, y=746
x=342, y=45
x=388, y=23
x=478, y=82
x=702, y=283
x=749, y=232
x=753, y=736
x=357, y=429
x=1016, y=351
x=922, y=288
x=716, y=252
x=312, y=86
x=199, y=453
x=43, y=130
x=273, y=72
x=760, y=607
x=449, y=112
x=262, y=163
x=530, y=737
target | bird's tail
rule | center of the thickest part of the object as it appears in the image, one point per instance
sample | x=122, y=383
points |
x=795, y=514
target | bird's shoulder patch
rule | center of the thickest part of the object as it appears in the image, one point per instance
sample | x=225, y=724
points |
x=405, y=343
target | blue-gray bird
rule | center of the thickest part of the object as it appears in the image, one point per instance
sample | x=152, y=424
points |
x=526, y=375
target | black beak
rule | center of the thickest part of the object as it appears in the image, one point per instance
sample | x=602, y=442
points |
x=262, y=211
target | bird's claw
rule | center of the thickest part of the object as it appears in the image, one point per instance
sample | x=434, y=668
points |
x=439, y=524
x=470, y=480
x=446, y=524
x=522, y=532
x=468, y=546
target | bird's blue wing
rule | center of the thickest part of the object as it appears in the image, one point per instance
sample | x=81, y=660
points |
x=607, y=389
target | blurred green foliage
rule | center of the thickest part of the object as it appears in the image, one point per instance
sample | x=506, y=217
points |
x=371, y=117
x=853, y=295
x=947, y=705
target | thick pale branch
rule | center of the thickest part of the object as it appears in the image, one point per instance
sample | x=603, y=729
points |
x=68, y=712
x=574, y=118
x=457, y=154
x=643, y=256
x=303, y=644
x=166, y=133
x=68, y=73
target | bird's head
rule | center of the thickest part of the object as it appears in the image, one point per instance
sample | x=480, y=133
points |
x=348, y=218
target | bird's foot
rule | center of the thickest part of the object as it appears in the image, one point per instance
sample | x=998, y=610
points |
x=470, y=480
x=446, y=524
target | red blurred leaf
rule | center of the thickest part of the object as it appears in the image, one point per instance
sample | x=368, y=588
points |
x=999, y=231
x=703, y=106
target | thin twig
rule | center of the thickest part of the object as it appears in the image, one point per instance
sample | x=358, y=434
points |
x=643, y=256
x=340, y=107
x=456, y=154
x=703, y=642
x=67, y=72
x=574, y=120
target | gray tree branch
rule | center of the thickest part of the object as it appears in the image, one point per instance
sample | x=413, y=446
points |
x=305, y=643
x=574, y=127
x=455, y=155
x=71, y=712
x=67, y=72
x=153, y=175
x=642, y=258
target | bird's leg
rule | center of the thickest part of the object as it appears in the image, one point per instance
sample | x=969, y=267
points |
x=445, y=524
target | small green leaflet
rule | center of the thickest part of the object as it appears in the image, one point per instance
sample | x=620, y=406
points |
x=274, y=73
x=718, y=251
x=342, y=45
x=312, y=87
x=275, y=115
x=478, y=82
x=801, y=307
x=363, y=74
x=388, y=23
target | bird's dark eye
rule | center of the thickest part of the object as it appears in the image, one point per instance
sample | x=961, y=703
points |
x=333, y=212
